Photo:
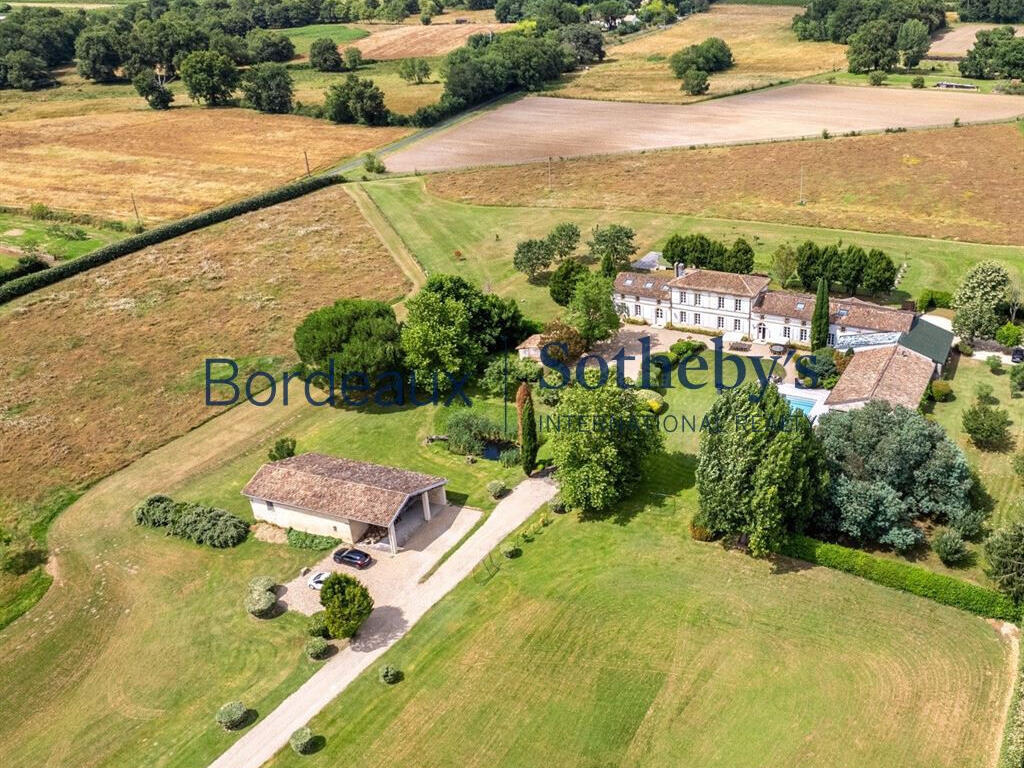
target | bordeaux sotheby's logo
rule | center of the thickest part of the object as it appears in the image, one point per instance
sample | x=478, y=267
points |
x=393, y=388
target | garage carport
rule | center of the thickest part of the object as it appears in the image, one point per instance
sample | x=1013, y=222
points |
x=339, y=497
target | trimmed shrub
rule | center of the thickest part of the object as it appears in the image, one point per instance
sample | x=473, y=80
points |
x=497, y=489
x=302, y=741
x=932, y=299
x=557, y=505
x=156, y=511
x=262, y=584
x=317, y=648
x=389, y=675
x=512, y=551
x=207, y=525
x=26, y=266
x=949, y=546
x=232, y=715
x=652, y=400
x=260, y=604
x=37, y=280
x=687, y=347
x=908, y=578
x=917, y=82
x=1009, y=335
x=877, y=77
x=317, y=626
x=303, y=540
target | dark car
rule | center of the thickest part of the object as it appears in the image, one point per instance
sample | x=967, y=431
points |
x=354, y=557
x=1017, y=356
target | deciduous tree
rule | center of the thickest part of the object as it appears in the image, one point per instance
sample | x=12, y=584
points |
x=591, y=309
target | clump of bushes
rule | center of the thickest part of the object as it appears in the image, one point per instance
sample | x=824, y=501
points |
x=950, y=547
x=317, y=648
x=510, y=457
x=512, y=551
x=303, y=540
x=558, y=505
x=389, y=675
x=26, y=266
x=317, y=626
x=232, y=715
x=1009, y=335
x=652, y=400
x=284, y=448
x=688, y=348
x=917, y=82
x=965, y=349
x=468, y=431
x=932, y=299
x=302, y=741
x=700, y=528
x=196, y=522
x=941, y=391
x=497, y=489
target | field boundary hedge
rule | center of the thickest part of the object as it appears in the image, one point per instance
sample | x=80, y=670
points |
x=903, y=576
x=29, y=283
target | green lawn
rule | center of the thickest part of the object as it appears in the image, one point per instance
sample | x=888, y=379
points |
x=933, y=71
x=303, y=37
x=399, y=95
x=146, y=636
x=622, y=642
x=434, y=229
x=60, y=240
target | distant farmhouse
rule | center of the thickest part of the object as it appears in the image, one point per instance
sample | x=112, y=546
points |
x=897, y=353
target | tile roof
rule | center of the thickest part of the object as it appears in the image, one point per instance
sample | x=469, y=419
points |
x=339, y=488
x=640, y=284
x=531, y=342
x=894, y=374
x=855, y=313
x=721, y=282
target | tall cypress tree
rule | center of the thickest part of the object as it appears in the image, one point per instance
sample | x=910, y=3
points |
x=819, y=320
x=528, y=444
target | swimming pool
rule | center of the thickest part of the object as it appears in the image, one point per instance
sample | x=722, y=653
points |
x=802, y=404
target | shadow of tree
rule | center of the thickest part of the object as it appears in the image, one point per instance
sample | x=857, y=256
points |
x=386, y=624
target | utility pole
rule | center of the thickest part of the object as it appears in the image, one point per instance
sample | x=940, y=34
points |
x=138, y=219
x=802, y=201
x=307, y=162
x=549, y=173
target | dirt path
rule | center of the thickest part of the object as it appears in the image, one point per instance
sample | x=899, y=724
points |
x=391, y=239
x=385, y=626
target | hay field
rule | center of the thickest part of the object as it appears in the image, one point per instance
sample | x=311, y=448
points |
x=100, y=368
x=763, y=44
x=537, y=128
x=954, y=42
x=175, y=163
x=403, y=41
x=956, y=183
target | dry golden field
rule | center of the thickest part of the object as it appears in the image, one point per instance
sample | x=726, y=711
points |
x=100, y=368
x=174, y=163
x=403, y=41
x=763, y=44
x=958, y=183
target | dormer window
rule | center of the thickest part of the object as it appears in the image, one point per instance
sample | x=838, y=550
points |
x=629, y=281
x=800, y=305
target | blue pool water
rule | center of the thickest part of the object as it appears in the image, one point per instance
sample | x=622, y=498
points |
x=802, y=404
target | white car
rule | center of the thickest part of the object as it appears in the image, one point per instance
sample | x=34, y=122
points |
x=316, y=581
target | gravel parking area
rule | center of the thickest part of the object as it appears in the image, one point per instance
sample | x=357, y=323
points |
x=390, y=577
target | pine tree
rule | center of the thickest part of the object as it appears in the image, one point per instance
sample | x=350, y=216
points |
x=527, y=429
x=819, y=320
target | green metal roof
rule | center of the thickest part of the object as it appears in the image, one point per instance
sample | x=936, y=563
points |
x=928, y=339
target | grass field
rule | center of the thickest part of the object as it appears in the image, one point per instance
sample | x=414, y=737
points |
x=94, y=164
x=399, y=95
x=21, y=234
x=303, y=37
x=932, y=71
x=763, y=43
x=434, y=228
x=951, y=183
x=622, y=642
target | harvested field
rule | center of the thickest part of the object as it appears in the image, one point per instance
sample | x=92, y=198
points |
x=761, y=38
x=101, y=368
x=404, y=41
x=955, y=42
x=174, y=163
x=959, y=183
x=536, y=128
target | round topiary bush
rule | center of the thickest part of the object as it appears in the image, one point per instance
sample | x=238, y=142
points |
x=317, y=648
x=302, y=741
x=942, y=391
x=260, y=604
x=917, y=82
x=389, y=675
x=497, y=489
x=317, y=626
x=232, y=715
x=949, y=546
x=262, y=584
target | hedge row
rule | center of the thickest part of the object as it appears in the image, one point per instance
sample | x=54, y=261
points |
x=909, y=578
x=196, y=522
x=25, y=266
x=29, y=283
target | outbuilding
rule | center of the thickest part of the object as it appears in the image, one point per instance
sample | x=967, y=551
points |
x=344, y=498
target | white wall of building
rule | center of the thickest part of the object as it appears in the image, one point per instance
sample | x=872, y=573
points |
x=289, y=517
